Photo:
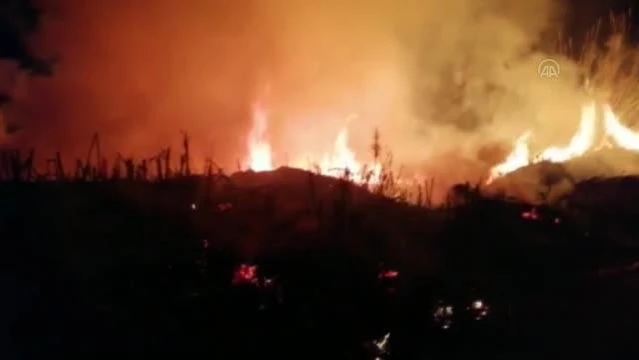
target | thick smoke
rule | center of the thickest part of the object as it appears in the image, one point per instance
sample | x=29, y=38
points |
x=436, y=77
x=140, y=72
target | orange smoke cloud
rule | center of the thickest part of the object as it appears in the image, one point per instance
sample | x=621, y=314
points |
x=139, y=72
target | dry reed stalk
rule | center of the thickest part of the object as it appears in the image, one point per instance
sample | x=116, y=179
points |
x=609, y=64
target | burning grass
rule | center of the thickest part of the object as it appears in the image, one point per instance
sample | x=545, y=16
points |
x=370, y=205
x=609, y=71
x=154, y=245
x=381, y=178
x=272, y=203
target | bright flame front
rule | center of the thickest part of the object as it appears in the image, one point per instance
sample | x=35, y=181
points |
x=259, y=149
x=580, y=144
x=343, y=159
x=339, y=162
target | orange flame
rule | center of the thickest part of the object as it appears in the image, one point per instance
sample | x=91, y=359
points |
x=580, y=144
x=259, y=149
x=520, y=157
x=341, y=160
x=624, y=137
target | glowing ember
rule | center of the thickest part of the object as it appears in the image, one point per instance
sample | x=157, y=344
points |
x=580, y=144
x=443, y=315
x=530, y=215
x=382, y=344
x=388, y=274
x=258, y=146
x=479, y=309
x=245, y=274
x=477, y=304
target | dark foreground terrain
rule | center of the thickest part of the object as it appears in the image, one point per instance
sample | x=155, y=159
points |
x=290, y=264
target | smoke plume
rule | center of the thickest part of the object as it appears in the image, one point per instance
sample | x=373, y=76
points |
x=436, y=77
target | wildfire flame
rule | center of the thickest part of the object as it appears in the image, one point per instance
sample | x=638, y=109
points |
x=622, y=136
x=515, y=160
x=580, y=144
x=344, y=159
x=340, y=161
x=259, y=149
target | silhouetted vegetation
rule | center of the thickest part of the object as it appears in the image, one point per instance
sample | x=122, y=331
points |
x=142, y=257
